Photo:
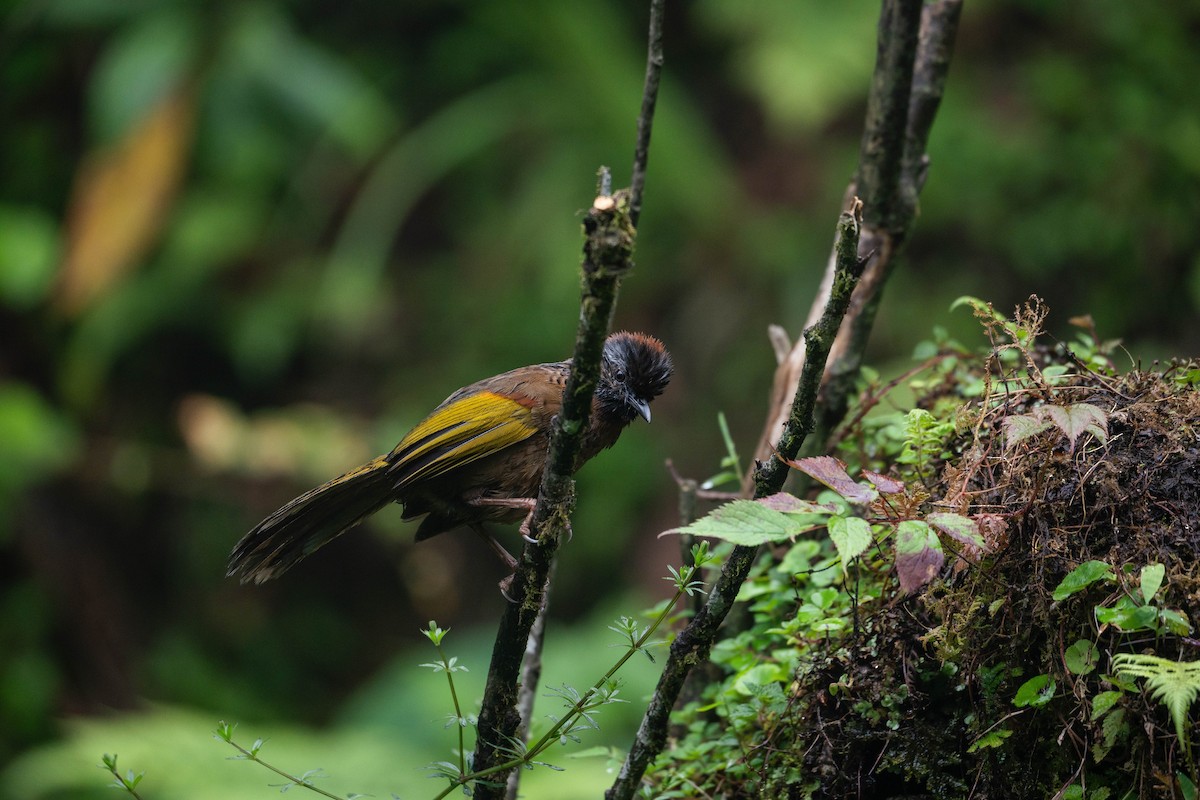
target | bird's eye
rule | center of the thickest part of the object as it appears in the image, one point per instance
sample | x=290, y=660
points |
x=620, y=376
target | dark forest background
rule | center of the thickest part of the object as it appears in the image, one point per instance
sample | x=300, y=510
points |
x=245, y=245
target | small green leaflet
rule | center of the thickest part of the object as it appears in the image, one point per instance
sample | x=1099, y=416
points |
x=1127, y=615
x=990, y=739
x=1081, y=577
x=747, y=522
x=919, y=554
x=1176, y=621
x=1152, y=578
x=1078, y=418
x=1035, y=692
x=850, y=535
x=1112, y=728
x=1186, y=787
x=1072, y=420
x=1104, y=701
x=1081, y=657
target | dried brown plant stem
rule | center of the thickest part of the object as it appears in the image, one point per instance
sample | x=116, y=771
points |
x=915, y=44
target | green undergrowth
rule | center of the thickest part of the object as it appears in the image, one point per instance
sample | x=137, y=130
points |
x=999, y=603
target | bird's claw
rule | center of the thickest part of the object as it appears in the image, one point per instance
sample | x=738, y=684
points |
x=527, y=536
x=506, y=586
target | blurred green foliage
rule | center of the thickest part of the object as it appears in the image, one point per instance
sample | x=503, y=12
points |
x=244, y=245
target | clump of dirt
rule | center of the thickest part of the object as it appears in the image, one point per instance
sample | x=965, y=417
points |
x=1049, y=502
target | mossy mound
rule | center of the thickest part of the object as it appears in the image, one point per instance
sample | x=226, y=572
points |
x=964, y=648
x=996, y=679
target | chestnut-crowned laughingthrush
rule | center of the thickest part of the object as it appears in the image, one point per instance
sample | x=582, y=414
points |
x=478, y=457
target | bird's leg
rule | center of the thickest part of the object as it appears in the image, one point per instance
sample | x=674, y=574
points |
x=497, y=548
x=505, y=556
x=525, y=503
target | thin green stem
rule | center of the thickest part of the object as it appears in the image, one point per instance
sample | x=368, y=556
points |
x=121, y=782
x=292, y=779
x=578, y=707
x=458, y=715
x=552, y=734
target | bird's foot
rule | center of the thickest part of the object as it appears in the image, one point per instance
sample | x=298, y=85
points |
x=506, y=588
x=527, y=536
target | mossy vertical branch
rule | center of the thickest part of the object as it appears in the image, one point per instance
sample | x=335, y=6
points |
x=818, y=341
x=610, y=230
x=694, y=642
x=607, y=256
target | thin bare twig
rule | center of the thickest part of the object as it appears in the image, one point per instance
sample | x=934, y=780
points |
x=641, y=151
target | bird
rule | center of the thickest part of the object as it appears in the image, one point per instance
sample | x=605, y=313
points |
x=476, y=458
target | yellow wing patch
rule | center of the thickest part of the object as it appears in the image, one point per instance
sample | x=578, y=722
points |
x=459, y=433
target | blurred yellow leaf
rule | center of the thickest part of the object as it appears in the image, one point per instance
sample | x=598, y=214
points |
x=305, y=441
x=120, y=200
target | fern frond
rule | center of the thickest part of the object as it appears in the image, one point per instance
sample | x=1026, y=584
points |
x=1175, y=684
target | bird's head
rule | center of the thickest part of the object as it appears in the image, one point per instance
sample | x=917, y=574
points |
x=635, y=369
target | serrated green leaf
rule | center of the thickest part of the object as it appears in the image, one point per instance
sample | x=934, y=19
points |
x=1019, y=427
x=1113, y=727
x=1076, y=419
x=851, y=536
x=746, y=522
x=1082, y=577
x=1104, y=701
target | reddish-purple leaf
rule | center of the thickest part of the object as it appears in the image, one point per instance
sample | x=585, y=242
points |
x=885, y=484
x=832, y=472
x=957, y=527
x=790, y=504
x=919, y=555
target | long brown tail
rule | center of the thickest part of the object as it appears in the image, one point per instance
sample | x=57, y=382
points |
x=310, y=521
